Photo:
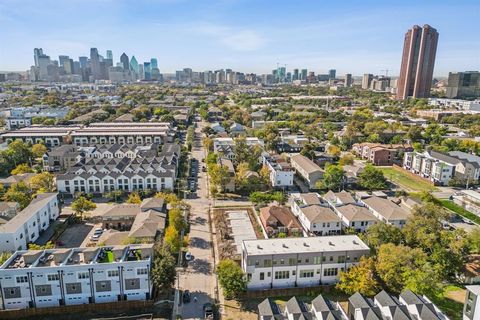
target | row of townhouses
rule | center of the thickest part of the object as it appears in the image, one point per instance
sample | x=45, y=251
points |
x=21, y=117
x=383, y=306
x=299, y=262
x=440, y=167
x=25, y=226
x=335, y=211
x=226, y=145
x=100, y=175
x=140, y=133
x=56, y=277
x=64, y=157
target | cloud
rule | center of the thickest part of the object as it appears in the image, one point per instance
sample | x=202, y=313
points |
x=234, y=38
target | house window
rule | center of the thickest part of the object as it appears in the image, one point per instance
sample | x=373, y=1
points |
x=22, y=279
x=282, y=274
x=53, y=277
x=330, y=272
x=262, y=276
x=112, y=273
x=83, y=275
x=142, y=271
x=306, y=273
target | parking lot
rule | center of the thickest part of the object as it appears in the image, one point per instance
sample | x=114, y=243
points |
x=75, y=235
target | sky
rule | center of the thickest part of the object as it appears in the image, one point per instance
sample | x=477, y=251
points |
x=357, y=37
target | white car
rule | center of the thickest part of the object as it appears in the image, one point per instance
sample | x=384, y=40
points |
x=188, y=256
x=95, y=237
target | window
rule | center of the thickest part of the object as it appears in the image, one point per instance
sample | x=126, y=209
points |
x=83, y=275
x=112, y=273
x=341, y=259
x=330, y=272
x=53, y=277
x=141, y=271
x=291, y=261
x=267, y=263
x=317, y=260
x=22, y=279
x=282, y=274
x=262, y=276
x=306, y=273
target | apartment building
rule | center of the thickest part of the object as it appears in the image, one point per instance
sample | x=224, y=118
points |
x=387, y=211
x=25, y=227
x=51, y=136
x=471, y=308
x=21, y=117
x=440, y=167
x=100, y=175
x=56, y=277
x=281, y=172
x=307, y=169
x=380, y=154
x=299, y=262
x=314, y=215
x=140, y=133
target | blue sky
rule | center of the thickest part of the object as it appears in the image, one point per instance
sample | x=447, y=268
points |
x=245, y=35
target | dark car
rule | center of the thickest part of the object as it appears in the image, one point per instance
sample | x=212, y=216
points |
x=186, y=296
x=208, y=310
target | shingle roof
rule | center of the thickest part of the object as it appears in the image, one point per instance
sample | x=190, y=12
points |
x=316, y=213
x=356, y=213
x=386, y=208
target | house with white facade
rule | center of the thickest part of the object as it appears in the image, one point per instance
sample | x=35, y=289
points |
x=72, y=276
x=51, y=136
x=429, y=167
x=387, y=211
x=226, y=145
x=299, y=262
x=281, y=172
x=25, y=227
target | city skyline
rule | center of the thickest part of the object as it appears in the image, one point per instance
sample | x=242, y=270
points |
x=242, y=35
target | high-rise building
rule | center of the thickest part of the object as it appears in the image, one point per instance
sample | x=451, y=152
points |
x=62, y=60
x=37, y=52
x=134, y=67
x=418, y=60
x=83, y=62
x=367, y=80
x=124, y=61
x=332, y=74
x=95, y=64
x=109, y=55
x=303, y=75
x=463, y=85
x=348, y=80
x=147, y=69
x=154, y=63
x=295, y=75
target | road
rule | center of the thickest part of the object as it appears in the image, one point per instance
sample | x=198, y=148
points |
x=198, y=276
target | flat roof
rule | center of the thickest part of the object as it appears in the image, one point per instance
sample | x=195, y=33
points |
x=304, y=245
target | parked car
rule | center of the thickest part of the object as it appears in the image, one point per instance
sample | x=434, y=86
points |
x=186, y=296
x=188, y=256
x=95, y=237
x=208, y=310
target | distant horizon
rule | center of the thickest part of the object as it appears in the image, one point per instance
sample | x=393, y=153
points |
x=244, y=35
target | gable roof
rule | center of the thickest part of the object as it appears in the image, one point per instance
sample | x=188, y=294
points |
x=355, y=213
x=386, y=208
x=316, y=213
x=281, y=215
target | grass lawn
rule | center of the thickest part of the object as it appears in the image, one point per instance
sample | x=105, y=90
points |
x=406, y=181
x=461, y=211
x=450, y=301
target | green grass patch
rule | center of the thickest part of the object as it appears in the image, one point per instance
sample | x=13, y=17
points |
x=450, y=301
x=461, y=211
x=406, y=181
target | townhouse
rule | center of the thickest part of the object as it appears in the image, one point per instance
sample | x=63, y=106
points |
x=140, y=133
x=228, y=184
x=387, y=211
x=281, y=172
x=385, y=306
x=51, y=136
x=299, y=262
x=100, y=175
x=350, y=212
x=440, y=167
x=21, y=117
x=57, y=277
x=380, y=154
x=226, y=145
x=307, y=169
x=315, y=216
x=25, y=227
x=471, y=307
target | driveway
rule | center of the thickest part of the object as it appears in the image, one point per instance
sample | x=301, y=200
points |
x=75, y=235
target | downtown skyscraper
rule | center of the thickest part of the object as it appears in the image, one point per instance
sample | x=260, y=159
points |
x=418, y=60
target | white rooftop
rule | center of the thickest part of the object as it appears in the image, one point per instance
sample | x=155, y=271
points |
x=304, y=245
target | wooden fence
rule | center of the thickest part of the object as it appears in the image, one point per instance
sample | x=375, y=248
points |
x=297, y=291
x=96, y=308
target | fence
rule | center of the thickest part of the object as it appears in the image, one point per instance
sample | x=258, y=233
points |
x=297, y=291
x=100, y=308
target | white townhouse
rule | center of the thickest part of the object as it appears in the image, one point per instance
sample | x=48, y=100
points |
x=51, y=136
x=299, y=262
x=226, y=145
x=315, y=217
x=281, y=172
x=429, y=167
x=26, y=226
x=57, y=277
x=387, y=211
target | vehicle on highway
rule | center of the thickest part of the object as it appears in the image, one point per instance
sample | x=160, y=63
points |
x=186, y=296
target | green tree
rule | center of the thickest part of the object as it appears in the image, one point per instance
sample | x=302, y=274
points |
x=231, y=278
x=48, y=245
x=372, y=178
x=176, y=219
x=38, y=150
x=219, y=176
x=134, y=198
x=172, y=239
x=360, y=278
x=332, y=178
x=82, y=205
x=346, y=160
x=42, y=182
x=382, y=233
x=21, y=169
x=19, y=192
x=163, y=272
